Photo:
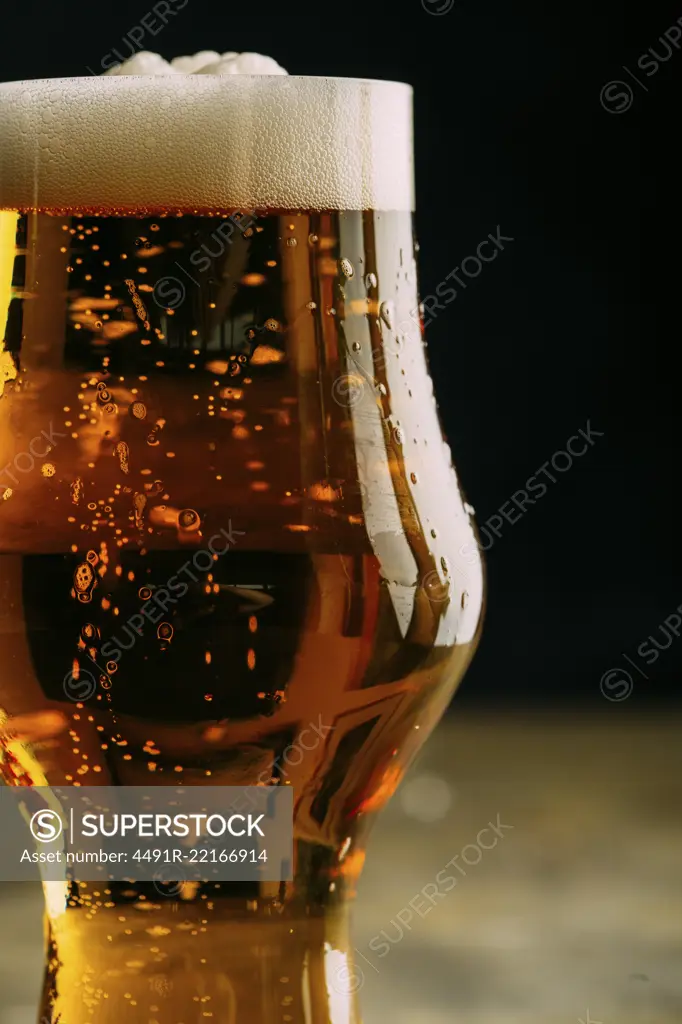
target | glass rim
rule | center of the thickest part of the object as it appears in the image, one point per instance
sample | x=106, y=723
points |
x=81, y=79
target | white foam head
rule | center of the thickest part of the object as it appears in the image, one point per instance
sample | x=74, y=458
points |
x=212, y=140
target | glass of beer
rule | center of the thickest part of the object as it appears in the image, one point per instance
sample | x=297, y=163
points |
x=233, y=546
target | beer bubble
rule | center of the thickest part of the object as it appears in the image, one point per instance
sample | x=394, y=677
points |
x=189, y=520
x=101, y=386
x=7, y=494
x=110, y=408
x=313, y=239
x=152, y=440
x=292, y=243
x=48, y=469
x=90, y=632
x=311, y=305
x=105, y=682
x=242, y=359
x=92, y=557
x=234, y=370
x=138, y=410
x=144, y=593
x=104, y=395
x=164, y=631
x=98, y=324
x=111, y=667
x=272, y=325
x=346, y=267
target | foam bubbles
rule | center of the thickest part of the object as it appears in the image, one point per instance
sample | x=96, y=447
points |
x=236, y=132
x=207, y=62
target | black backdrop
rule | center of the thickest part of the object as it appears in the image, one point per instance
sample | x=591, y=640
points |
x=517, y=127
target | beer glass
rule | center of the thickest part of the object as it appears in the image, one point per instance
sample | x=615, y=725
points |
x=233, y=546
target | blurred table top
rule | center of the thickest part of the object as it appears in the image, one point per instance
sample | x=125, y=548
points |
x=572, y=913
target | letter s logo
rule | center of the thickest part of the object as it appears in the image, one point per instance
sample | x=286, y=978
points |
x=46, y=825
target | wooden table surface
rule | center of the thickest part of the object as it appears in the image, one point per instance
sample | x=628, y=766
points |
x=575, y=910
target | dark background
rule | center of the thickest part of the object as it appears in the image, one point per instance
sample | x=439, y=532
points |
x=576, y=320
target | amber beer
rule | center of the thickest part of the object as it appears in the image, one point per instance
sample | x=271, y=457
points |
x=233, y=553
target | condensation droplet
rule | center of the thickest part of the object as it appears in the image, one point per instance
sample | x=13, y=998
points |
x=144, y=593
x=98, y=324
x=413, y=478
x=89, y=632
x=346, y=267
x=272, y=325
x=76, y=490
x=356, y=346
x=381, y=389
x=292, y=243
x=101, y=386
x=313, y=239
x=139, y=503
x=444, y=565
x=7, y=494
x=385, y=313
x=465, y=599
x=83, y=581
x=104, y=395
x=48, y=469
x=189, y=520
x=164, y=631
x=138, y=410
x=92, y=557
x=311, y=305
x=234, y=370
x=152, y=440
x=123, y=453
x=111, y=667
x=398, y=434
x=370, y=281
